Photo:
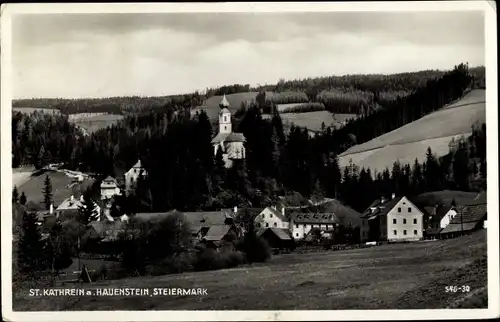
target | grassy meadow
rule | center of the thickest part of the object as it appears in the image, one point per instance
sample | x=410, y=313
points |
x=412, y=140
x=392, y=276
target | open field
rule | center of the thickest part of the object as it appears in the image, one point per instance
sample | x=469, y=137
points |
x=62, y=187
x=29, y=110
x=396, y=276
x=21, y=175
x=93, y=123
x=411, y=141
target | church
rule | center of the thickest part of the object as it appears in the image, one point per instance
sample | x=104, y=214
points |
x=231, y=144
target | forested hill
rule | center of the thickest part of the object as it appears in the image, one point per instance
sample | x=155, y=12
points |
x=177, y=152
x=357, y=93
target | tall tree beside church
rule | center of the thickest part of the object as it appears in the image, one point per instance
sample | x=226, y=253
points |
x=143, y=194
x=47, y=192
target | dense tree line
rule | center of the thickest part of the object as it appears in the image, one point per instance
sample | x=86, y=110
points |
x=111, y=105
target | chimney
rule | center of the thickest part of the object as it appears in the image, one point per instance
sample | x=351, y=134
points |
x=283, y=211
x=81, y=198
x=274, y=207
x=51, y=209
x=235, y=210
x=382, y=200
x=71, y=198
x=393, y=195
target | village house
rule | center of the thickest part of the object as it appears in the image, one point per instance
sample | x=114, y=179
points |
x=301, y=223
x=132, y=175
x=394, y=219
x=221, y=237
x=68, y=209
x=231, y=143
x=109, y=188
x=271, y=217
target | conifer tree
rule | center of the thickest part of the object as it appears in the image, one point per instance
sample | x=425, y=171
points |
x=15, y=195
x=47, y=192
x=23, y=199
x=30, y=244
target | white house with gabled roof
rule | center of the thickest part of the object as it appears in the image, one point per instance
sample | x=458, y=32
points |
x=132, y=175
x=271, y=217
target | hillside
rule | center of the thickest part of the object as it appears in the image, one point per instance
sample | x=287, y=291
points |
x=410, y=141
x=445, y=197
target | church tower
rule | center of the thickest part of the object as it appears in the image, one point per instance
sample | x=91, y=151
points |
x=224, y=117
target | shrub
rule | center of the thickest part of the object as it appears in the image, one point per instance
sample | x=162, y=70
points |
x=255, y=248
x=210, y=259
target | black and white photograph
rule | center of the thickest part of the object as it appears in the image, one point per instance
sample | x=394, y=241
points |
x=270, y=159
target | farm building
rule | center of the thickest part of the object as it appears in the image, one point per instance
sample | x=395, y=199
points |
x=436, y=218
x=132, y=175
x=109, y=188
x=221, y=237
x=277, y=237
x=468, y=218
x=68, y=209
x=301, y=223
x=229, y=142
x=392, y=219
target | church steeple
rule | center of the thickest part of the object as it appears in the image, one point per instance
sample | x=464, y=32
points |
x=225, y=125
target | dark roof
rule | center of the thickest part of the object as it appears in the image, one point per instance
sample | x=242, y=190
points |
x=467, y=218
x=216, y=233
x=245, y=214
x=345, y=214
x=219, y=137
x=235, y=137
x=453, y=228
x=109, y=180
x=281, y=233
x=320, y=218
x=381, y=209
x=153, y=216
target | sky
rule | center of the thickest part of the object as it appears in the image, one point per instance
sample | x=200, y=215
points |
x=103, y=55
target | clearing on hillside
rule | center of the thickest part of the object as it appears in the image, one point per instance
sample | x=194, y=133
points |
x=94, y=123
x=412, y=140
x=395, y=276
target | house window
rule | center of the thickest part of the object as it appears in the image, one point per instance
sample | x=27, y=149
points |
x=404, y=232
x=267, y=224
x=326, y=226
x=404, y=221
x=395, y=232
x=225, y=118
x=414, y=220
x=263, y=215
x=296, y=234
x=399, y=209
x=414, y=232
x=270, y=215
x=409, y=209
x=394, y=221
x=275, y=225
x=296, y=225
